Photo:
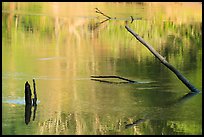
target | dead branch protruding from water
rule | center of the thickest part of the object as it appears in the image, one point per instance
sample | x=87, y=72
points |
x=100, y=12
x=35, y=95
x=110, y=76
x=163, y=61
x=28, y=94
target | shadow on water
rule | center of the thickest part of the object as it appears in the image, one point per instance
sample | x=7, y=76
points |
x=173, y=104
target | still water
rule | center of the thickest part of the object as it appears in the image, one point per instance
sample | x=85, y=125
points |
x=61, y=45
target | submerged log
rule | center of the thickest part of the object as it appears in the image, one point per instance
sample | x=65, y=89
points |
x=110, y=76
x=110, y=82
x=163, y=61
x=28, y=94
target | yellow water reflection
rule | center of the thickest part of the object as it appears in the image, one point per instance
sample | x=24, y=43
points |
x=63, y=44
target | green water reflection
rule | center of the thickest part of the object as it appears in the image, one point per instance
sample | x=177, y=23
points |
x=61, y=49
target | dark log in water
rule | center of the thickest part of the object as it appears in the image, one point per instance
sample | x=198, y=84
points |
x=109, y=76
x=29, y=102
x=110, y=82
x=163, y=61
x=28, y=94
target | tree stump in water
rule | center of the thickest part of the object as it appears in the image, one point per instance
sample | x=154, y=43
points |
x=29, y=102
x=28, y=94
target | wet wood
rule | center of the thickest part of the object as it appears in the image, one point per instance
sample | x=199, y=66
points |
x=111, y=76
x=163, y=61
x=110, y=82
x=132, y=19
x=34, y=111
x=28, y=94
x=35, y=94
x=30, y=102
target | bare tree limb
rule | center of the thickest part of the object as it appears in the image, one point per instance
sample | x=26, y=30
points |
x=131, y=81
x=35, y=95
x=163, y=61
x=98, y=11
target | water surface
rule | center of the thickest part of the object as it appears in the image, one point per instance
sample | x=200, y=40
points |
x=62, y=44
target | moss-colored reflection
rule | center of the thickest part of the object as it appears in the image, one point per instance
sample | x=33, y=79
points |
x=62, y=44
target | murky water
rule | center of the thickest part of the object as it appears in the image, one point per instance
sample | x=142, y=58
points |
x=62, y=45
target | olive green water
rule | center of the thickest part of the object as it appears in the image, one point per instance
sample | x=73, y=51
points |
x=62, y=44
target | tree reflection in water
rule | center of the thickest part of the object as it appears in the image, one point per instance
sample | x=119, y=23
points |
x=28, y=113
x=180, y=100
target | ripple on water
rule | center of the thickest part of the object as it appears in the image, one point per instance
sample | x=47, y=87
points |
x=18, y=101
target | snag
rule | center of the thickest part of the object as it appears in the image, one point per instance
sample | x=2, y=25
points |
x=163, y=61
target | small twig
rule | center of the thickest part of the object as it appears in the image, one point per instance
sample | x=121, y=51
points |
x=102, y=22
x=35, y=108
x=35, y=95
x=98, y=11
x=132, y=19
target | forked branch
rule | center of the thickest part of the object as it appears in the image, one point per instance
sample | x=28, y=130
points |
x=100, y=12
